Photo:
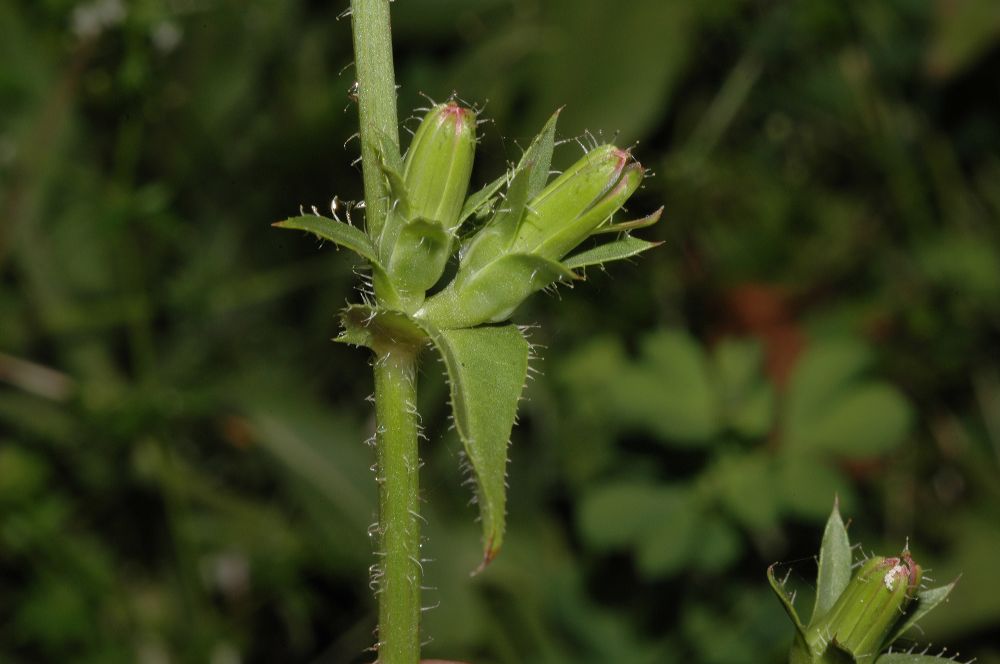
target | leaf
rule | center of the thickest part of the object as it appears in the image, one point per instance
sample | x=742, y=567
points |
x=479, y=200
x=806, y=483
x=870, y=420
x=419, y=256
x=744, y=485
x=538, y=157
x=669, y=392
x=626, y=247
x=823, y=373
x=786, y=601
x=614, y=516
x=374, y=328
x=747, y=400
x=925, y=602
x=632, y=225
x=668, y=540
x=834, y=565
x=492, y=293
x=487, y=368
x=911, y=658
x=354, y=239
x=335, y=231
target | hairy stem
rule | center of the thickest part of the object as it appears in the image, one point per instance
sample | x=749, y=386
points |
x=398, y=575
x=398, y=570
x=376, y=101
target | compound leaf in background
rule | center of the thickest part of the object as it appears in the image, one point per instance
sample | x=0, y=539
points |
x=871, y=420
x=831, y=410
x=822, y=373
x=746, y=399
x=613, y=516
x=744, y=485
x=670, y=392
x=487, y=368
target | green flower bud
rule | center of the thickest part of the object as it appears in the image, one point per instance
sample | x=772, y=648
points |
x=438, y=164
x=420, y=230
x=518, y=252
x=863, y=619
x=577, y=202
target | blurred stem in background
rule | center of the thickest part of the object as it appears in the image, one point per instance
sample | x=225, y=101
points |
x=397, y=574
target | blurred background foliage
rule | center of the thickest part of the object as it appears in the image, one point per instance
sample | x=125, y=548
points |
x=182, y=470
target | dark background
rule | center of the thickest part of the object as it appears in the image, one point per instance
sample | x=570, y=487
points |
x=182, y=470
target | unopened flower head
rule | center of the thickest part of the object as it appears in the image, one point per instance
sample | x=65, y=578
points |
x=439, y=163
x=576, y=203
x=866, y=613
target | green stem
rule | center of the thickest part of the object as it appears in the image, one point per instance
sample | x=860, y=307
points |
x=398, y=570
x=398, y=575
x=376, y=101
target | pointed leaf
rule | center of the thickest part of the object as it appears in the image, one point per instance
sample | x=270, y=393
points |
x=419, y=257
x=399, y=207
x=487, y=368
x=539, y=156
x=335, y=231
x=786, y=602
x=631, y=225
x=481, y=199
x=834, y=565
x=494, y=238
x=925, y=602
x=626, y=247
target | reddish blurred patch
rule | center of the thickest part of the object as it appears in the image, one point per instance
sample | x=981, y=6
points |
x=766, y=311
x=236, y=431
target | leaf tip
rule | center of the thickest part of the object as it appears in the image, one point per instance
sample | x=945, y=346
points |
x=489, y=553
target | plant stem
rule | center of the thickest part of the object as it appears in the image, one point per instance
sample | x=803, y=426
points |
x=397, y=473
x=376, y=101
x=398, y=572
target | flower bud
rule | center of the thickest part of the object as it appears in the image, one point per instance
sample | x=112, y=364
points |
x=439, y=164
x=577, y=202
x=863, y=619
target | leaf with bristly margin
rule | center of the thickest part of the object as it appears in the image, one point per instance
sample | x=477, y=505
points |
x=335, y=231
x=631, y=225
x=376, y=328
x=914, y=658
x=925, y=602
x=487, y=368
x=476, y=202
x=354, y=239
x=834, y=565
x=786, y=600
x=539, y=156
x=612, y=251
x=419, y=256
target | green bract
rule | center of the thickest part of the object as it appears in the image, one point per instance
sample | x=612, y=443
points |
x=524, y=243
